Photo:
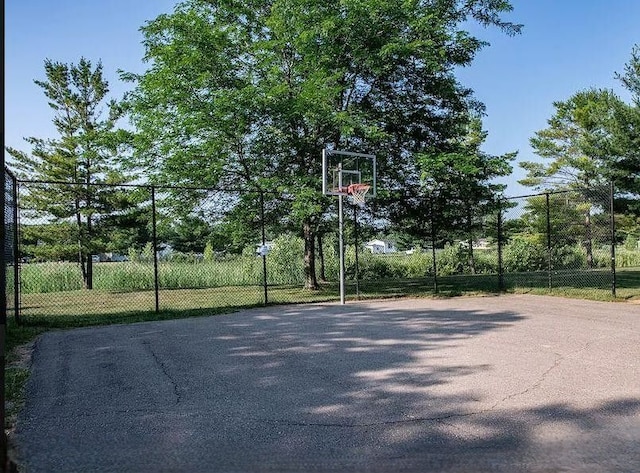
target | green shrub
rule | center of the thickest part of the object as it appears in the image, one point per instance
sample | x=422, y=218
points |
x=568, y=257
x=50, y=277
x=631, y=243
x=522, y=255
x=626, y=258
x=486, y=261
x=451, y=260
x=418, y=265
x=285, y=262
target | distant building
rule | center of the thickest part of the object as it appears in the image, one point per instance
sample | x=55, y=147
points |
x=479, y=244
x=263, y=250
x=108, y=257
x=380, y=247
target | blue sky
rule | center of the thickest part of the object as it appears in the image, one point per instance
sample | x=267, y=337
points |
x=565, y=46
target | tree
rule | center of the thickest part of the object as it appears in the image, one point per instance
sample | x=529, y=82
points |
x=245, y=94
x=627, y=130
x=581, y=144
x=461, y=184
x=82, y=158
x=188, y=235
x=578, y=141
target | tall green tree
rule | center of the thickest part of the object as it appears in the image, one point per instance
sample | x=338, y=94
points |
x=246, y=93
x=627, y=132
x=461, y=183
x=83, y=156
x=578, y=143
x=581, y=145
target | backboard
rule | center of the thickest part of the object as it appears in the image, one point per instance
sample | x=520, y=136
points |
x=340, y=169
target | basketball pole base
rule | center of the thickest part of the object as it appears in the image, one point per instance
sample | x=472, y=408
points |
x=341, y=245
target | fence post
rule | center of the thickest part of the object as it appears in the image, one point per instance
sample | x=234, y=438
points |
x=549, y=256
x=16, y=251
x=501, y=287
x=613, y=238
x=3, y=316
x=155, y=250
x=433, y=246
x=264, y=253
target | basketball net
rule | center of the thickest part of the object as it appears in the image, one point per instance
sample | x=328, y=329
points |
x=357, y=193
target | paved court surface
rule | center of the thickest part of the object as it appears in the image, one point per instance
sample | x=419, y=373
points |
x=500, y=384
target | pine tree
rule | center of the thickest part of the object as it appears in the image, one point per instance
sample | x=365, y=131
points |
x=81, y=158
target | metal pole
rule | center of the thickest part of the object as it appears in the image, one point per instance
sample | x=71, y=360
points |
x=433, y=247
x=613, y=239
x=3, y=286
x=16, y=252
x=500, y=267
x=355, y=238
x=155, y=250
x=3, y=314
x=341, y=249
x=264, y=253
x=550, y=264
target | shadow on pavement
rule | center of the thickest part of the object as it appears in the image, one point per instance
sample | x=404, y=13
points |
x=313, y=388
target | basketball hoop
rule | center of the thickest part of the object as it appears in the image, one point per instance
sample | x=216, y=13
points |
x=357, y=193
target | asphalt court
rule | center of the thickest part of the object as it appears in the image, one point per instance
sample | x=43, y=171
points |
x=512, y=383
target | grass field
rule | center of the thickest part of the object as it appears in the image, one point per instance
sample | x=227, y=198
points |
x=81, y=307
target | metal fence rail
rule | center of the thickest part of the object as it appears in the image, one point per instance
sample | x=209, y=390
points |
x=128, y=250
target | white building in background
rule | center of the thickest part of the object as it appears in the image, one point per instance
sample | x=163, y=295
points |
x=264, y=250
x=380, y=247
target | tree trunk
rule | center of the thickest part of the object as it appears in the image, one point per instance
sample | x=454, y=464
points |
x=89, y=279
x=82, y=256
x=323, y=276
x=309, y=256
x=588, y=239
x=472, y=261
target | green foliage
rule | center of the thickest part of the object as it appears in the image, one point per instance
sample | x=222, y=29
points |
x=133, y=255
x=568, y=257
x=631, y=243
x=592, y=139
x=461, y=182
x=578, y=141
x=242, y=95
x=522, y=255
x=52, y=242
x=147, y=253
x=208, y=254
x=285, y=260
x=451, y=260
x=626, y=258
x=188, y=234
x=83, y=155
x=627, y=131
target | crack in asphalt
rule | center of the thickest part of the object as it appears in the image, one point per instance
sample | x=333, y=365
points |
x=413, y=420
x=559, y=359
x=163, y=368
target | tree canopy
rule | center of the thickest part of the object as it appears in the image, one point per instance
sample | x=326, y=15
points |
x=245, y=94
x=592, y=138
x=83, y=157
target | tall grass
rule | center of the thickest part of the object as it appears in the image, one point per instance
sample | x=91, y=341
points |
x=285, y=267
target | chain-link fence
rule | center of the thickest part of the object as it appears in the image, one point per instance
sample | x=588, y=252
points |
x=11, y=258
x=561, y=243
x=89, y=251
